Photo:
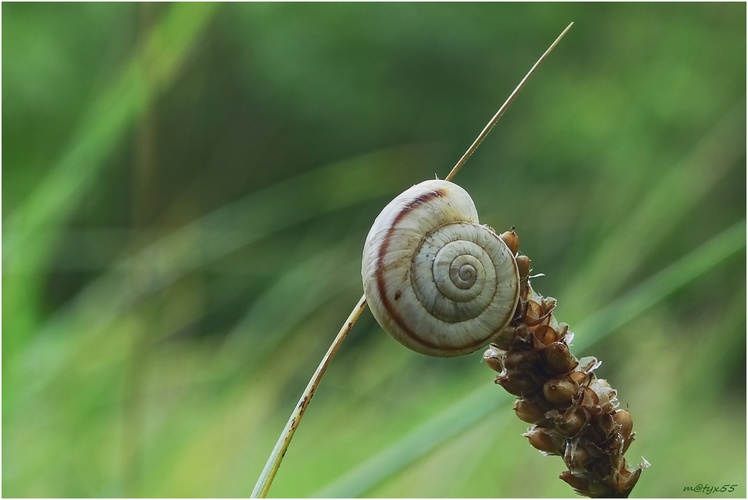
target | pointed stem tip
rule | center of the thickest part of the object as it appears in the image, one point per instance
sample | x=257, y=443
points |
x=503, y=108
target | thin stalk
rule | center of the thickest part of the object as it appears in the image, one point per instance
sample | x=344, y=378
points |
x=274, y=460
x=503, y=108
x=276, y=456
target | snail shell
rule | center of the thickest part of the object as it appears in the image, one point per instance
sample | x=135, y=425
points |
x=435, y=279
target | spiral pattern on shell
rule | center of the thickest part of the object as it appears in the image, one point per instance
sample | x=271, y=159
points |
x=435, y=279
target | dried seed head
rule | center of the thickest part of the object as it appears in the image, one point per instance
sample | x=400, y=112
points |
x=575, y=415
x=543, y=440
x=520, y=359
x=511, y=239
x=580, y=378
x=571, y=421
x=523, y=333
x=559, y=391
x=534, y=314
x=598, y=490
x=588, y=364
x=517, y=384
x=614, y=444
x=602, y=426
x=492, y=357
x=624, y=480
x=544, y=335
x=589, y=398
x=580, y=484
x=528, y=412
x=506, y=337
x=557, y=359
x=549, y=303
x=625, y=427
x=606, y=395
x=523, y=264
x=577, y=455
x=625, y=423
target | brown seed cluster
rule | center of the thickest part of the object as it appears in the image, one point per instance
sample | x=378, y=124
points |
x=574, y=414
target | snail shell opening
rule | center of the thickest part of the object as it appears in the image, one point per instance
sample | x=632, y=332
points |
x=435, y=279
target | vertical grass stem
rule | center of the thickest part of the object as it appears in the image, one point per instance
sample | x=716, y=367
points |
x=274, y=460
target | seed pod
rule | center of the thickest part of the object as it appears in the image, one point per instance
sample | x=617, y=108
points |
x=606, y=394
x=576, y=456
x=549, y=303
x=626, y=425
x=557, y=359
x=571, y=421
x=559, y=391
x=518, y=384
x=579, y=377
x=624, y=479
x=580, y=484
x=528, y=412
x=511, y=239
x=589, y=398
x=534, y=314
x=506, y=337
x=544, y=335
x=523, y=263
x=588, y=364
x=625, y=422
x=601, y=427
x=544, y=441
x=492, y=357
x=523, y=333
x=520, y=359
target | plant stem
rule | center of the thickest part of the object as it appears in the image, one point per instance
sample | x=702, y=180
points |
x=274, y=460
x=503, y=108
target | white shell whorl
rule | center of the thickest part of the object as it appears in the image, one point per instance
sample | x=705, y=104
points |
x=434, y=278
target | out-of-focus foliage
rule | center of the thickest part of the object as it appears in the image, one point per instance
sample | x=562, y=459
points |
x=187, y=188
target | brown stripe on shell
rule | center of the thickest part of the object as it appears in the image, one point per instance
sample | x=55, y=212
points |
x=424, y=198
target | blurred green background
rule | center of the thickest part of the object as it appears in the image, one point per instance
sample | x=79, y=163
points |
x=187, y=189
